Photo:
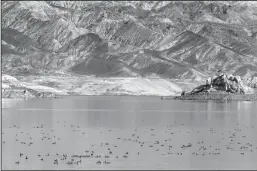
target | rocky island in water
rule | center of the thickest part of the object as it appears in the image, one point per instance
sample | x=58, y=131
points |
x=221, y=87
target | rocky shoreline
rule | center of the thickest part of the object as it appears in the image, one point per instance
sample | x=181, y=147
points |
x=26, y=94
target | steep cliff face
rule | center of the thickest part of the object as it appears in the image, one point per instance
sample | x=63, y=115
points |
x=184, y=40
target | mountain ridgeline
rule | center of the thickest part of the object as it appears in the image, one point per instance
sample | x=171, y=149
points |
x=181, y=40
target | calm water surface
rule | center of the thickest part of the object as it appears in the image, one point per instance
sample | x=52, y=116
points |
x=156, y=134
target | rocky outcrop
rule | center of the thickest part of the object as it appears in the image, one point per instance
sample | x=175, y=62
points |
x=222, y=83
x=252, y=82
x=220, y=87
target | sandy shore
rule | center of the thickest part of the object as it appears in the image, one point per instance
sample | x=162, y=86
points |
x=51, y=86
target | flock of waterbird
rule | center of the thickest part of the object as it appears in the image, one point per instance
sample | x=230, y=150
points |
x=229, y=140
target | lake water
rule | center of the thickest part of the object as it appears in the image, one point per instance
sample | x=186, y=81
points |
x=156, y=134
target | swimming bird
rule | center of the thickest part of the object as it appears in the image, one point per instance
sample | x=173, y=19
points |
x=107, y=162
x=56, y=161
x=69, y=163
x=98, y=156
x=78, y=161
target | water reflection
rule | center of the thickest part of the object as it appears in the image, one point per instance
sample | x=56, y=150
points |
x=112, y=111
